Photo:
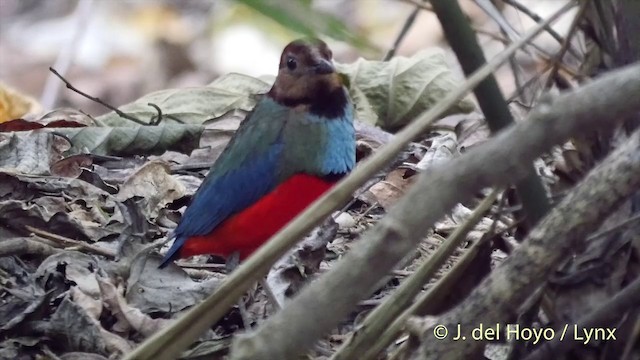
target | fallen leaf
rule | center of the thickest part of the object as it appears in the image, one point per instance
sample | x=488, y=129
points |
x=388, y=191
x=133, y=140
x=345, y=221
x=23, y=187
x=65, y=117
x=16, y=348
x=30, y=152
x=443, y=149
x=23, y=300
x=155, y=185
x=74, y=269
x=75, y=330
x=71, y=166
x=24, y=125
x=128, y=316
x=194, y=105
x=91, y=305
x=167, y=290
x=400, y=89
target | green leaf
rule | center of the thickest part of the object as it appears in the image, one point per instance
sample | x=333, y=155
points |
x=299, y=16
x=387, y=94
x=194, y=105
x=391, y=94
x=133, y=140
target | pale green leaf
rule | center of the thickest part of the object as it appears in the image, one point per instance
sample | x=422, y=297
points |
x=391, y=94
x=194, y=105
x=133, y=140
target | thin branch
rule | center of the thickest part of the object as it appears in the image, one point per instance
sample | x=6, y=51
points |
x=564, y=229
x=535, y=17
x=602, y=317
x=403, y=32
x=97, y=100
x=21, y=246
x=65, y=241
x=501, y=39
x=419, y=4
x=557, y=59
x=463, y=41
x=158, y=116
x=627, y=224
x=168, y=343
x=368, y=333
x=428, y=300
x=490, y=10
x=81, y=15
x=536, y=77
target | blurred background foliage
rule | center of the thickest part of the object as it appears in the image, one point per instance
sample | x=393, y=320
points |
x=120, y=50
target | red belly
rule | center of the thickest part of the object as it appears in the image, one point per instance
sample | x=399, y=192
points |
x=246, y=231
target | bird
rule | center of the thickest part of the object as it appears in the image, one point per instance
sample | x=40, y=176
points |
x=295, y=144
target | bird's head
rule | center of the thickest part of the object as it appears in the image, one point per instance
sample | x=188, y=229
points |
x=306, y=74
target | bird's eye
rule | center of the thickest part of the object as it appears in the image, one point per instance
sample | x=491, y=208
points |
x=292, y=63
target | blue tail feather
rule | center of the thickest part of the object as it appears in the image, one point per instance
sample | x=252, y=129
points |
x=173, y=252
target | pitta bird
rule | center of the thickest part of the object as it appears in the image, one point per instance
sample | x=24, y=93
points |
x=297, y=142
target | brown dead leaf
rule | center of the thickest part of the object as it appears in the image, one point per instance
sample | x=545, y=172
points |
x=81, y=332
x=371, y=135
x=154, y=183
x=31, y=152
x=53, y=214
x=92, y=306
x=567, y=165
x=23, y=300
x=12, y=188
x=15, y=214
x=388, y=191
x=75, y=330
x=24, y=125
x=15, y=348
x=65, y=118
x=71, y=166
x=128, y=317
x=168, y=290
x=76, y=269
x=110, y=296
x=25, y=187
x=51, y=205
x=209, y=349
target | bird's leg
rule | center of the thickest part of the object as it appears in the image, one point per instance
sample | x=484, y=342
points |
x=231, y=263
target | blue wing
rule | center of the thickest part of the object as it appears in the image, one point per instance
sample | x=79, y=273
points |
x=245, y=171
x=251, y=165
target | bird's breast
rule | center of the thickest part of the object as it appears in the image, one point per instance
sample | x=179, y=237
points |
x=247, y=230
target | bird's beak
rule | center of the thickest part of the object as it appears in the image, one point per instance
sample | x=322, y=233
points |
x=324, y=67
